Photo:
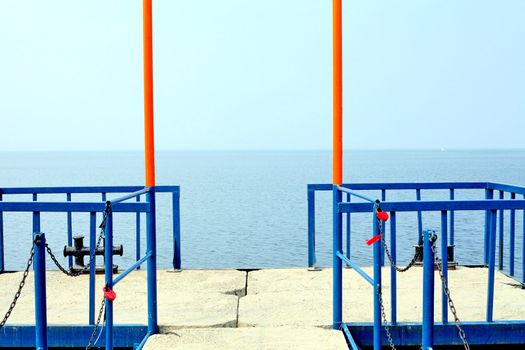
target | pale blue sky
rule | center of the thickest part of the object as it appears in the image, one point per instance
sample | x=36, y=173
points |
x=237, y=74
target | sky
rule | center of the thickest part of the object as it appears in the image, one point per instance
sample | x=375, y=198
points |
x=253, y=75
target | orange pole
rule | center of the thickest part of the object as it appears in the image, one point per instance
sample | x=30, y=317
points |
x=149, y=132
x=337, y=34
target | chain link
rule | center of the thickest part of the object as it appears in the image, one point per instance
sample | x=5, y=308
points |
x=97, y=324
x=450, y=302
x=406, y=268
x=383, y=315
x=20, y=286
x=77, y=273
x=387, y=252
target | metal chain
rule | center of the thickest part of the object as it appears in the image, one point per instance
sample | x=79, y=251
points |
x=383, y=314
x=97, y=324
x=91, y=257
x=387, y=251
x=20, y=286
x=450, y=302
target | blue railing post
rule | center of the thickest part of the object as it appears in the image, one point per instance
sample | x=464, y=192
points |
x=39, y=267
x=108, y=259
x=311, y=227
x=137, y=234
x=348, y=228
x=489, y=194
x=377, y=284
x=393, y=272
x=151, y=248
x=69, y=231
x=452, y=226
x=444, y=265
x=2, y=262
x=523, y=249
x=92, y=265
x=337, y=263
x=427, y=340
x=383, y=229
x=177, y=259
x=419, y=217
x=512, y=237
x=501, y=229
x=492, y=265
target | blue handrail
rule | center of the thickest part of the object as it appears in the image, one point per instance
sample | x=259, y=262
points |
x=119, y=204
x=494, y=209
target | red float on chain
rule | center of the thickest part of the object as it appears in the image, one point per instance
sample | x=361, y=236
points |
x=382, y=215
x=373, y=239
x=109, y=294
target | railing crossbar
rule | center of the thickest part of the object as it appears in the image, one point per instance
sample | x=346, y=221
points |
x=136, y=264
x=356, y=194
x=356, y=268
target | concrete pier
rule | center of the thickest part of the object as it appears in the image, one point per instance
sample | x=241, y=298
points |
x=262, y=309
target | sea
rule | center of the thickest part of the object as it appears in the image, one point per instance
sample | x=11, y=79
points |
x=248, y=209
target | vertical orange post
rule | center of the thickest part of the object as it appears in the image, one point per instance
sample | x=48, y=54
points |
x=149, y=132
x=337, y=32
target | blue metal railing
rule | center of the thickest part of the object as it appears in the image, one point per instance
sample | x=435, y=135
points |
x=510, y=191
x=114, y=334
x=490, y=206
x=103, y=191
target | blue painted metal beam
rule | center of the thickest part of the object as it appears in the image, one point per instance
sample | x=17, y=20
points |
x=177, y=259
x=435, y=205
x=72, y=206
x=377, y=286
x=311, y=227
x=108, y=278
x=393, y=272
x=135, y=265
x=406, y=186
x=151, y=248
x=2, y=262
x=337, y=270
x=350, y=338
x=506, y=187
x=129, y=196
x=82, y=189
x=427, y=332
x=356, y=268
x=39, y=267
x=501, y=228
x=444, y=265
x=356, y=194
x=512, y=237
x=125, y=335
x=478, y=333
x=69, y=231
x=492, y=266
x=92, y=265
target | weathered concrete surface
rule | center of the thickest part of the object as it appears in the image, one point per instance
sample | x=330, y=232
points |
x=297, y=297
x=191, y=298
x=283, y=308
x=260, y=338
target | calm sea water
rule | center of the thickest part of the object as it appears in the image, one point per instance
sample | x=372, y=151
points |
x=248, y=209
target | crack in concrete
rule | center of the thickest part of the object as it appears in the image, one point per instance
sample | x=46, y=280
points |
x=243, y=293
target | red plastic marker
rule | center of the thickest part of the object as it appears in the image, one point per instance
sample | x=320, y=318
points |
x=109, y=294
x=373, y=239
x=382, y=215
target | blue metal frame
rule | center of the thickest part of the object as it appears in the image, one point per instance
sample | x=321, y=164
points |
x=428, y=332
x=70, y=207
x=61, y=335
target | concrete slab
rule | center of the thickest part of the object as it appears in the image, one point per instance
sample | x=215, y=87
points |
x=296, y=297
x=285, y=338
x=191, y=298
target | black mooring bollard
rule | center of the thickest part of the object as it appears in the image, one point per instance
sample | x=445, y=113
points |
x=79, y=251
